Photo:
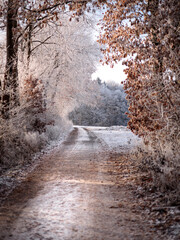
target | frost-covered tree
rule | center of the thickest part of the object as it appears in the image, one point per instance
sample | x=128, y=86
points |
x=55, y=81
x=21, y=20
x=65, y=63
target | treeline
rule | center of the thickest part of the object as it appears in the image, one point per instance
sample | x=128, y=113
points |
x=110, y=109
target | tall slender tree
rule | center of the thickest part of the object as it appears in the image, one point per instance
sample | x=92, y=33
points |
x=11, y=71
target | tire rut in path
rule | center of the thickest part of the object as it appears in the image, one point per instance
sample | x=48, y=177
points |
x=73, y=194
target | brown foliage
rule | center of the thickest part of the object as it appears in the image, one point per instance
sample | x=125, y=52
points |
x=33, y=95
x=147, y=32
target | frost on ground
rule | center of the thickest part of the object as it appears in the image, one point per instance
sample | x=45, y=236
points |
x=12, y=177
x=76, y=194
x=116, y=138
x=83, y=190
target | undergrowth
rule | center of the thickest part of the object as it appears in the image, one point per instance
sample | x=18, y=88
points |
x=162, y=166
x=29, y=128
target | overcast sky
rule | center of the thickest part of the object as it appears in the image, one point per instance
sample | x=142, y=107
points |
x=106, y=73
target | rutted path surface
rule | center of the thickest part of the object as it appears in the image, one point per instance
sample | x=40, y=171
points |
x=73, y=195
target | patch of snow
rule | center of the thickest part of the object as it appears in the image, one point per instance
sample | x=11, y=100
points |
x=117, y=138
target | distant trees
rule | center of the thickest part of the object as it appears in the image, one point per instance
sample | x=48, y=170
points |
x=110, y=108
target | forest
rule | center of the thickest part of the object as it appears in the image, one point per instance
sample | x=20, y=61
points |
x=110, y=109
x=48, y=54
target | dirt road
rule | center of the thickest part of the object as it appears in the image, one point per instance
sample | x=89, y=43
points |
x=74, y=194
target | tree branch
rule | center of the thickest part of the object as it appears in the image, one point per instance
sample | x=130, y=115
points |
x=54, y=6
x=41, y=43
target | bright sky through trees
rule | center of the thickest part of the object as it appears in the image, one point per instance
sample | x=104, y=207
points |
x=106, y=73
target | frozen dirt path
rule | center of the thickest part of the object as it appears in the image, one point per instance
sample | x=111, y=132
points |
x=73, y=195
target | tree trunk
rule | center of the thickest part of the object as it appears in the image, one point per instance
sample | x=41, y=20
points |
x=29, y=39
x=9, y=88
